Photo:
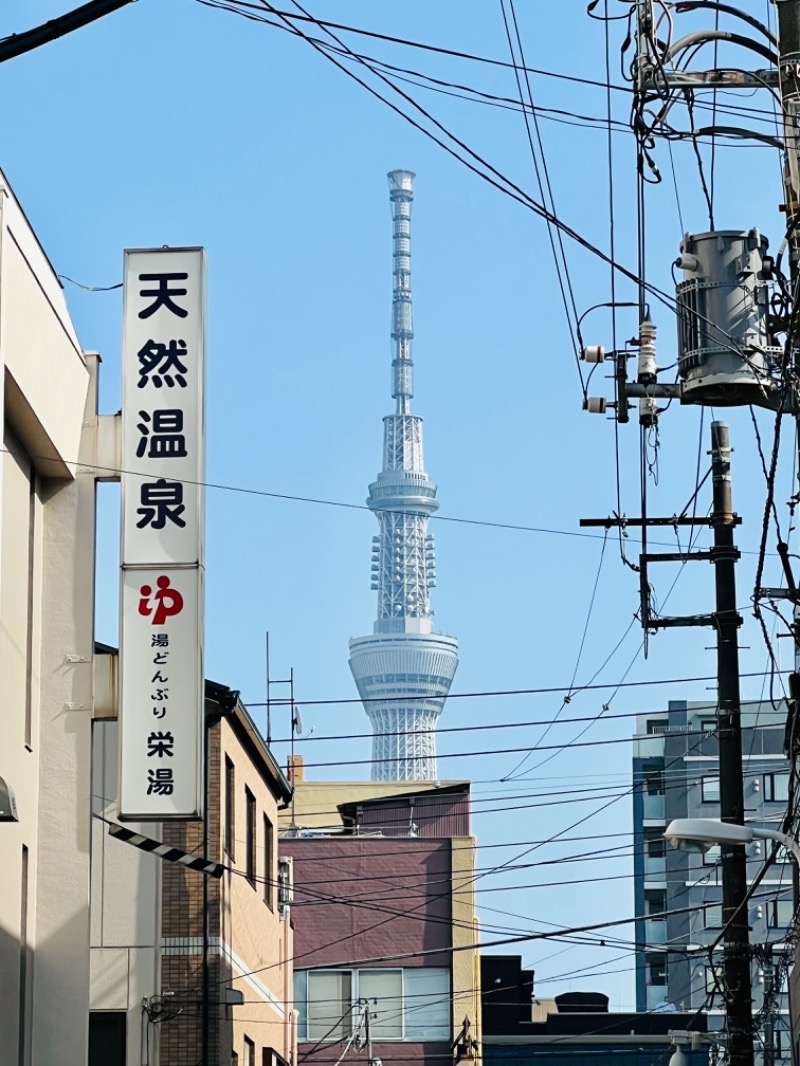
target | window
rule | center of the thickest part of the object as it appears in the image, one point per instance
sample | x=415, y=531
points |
x=710, y=790
x=249, y=1052
x=329, y=1001
x=708, y=725
x=713, y=982
x=250, y=836
x=285, y=885
x=655, y=782
x=29, y=653
x=386, y=1014
x=234, y=1058
x=427, y=1003
x=656, y=968
x=780, y=913
x=655, y=901
x=230, y=808
x=269, y=863
x=656, y=725
x=410, y=1004
x=713, y=916
x=24, y=966
x=776, y=788
x=655, y=846
x=107, y=1037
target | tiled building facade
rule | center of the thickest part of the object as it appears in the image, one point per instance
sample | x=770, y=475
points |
x=188, y=969
x=385, y=919
x=678, y=894
x=246, y=937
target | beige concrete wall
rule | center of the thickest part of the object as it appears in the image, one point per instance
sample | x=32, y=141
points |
x=20, y=588
x=61, y=965
x=125, y=903
x=253, y=935
x=39, y=349
x=46, y=621
x=466, y=962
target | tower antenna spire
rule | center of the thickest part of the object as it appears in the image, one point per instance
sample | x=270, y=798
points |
x=401, y=194
x=403, y=670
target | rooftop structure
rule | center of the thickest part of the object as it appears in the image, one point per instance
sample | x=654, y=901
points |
x=403, y=670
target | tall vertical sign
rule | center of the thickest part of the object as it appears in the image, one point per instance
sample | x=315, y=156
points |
x=162, y=730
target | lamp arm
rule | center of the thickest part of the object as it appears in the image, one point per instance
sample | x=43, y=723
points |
x=788, y=842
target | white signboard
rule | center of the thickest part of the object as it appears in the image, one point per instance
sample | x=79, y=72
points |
x=163, y=428
x=161, y=633
x=162, y=690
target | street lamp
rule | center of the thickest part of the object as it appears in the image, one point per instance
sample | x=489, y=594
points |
x=702, y=834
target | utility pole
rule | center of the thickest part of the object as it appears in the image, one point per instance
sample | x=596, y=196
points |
x=738, y=996
x=769, y=999
x=789, y=86
x=738, y=311
x=726, y=620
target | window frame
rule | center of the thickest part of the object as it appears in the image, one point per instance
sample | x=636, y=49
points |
x=706, y=785
x=329, y=1035
x=773, y=913
x=375, y=1022
x=269, y=861
x=655, y=846
x=229, y=842
x=710, y=910
x=250, y=836
x=770, y=780
x=249, y=1051
x=657, y=958
x=419, y=1026
x=655, y=782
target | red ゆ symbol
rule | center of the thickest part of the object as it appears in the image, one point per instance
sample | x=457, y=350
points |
x=162, y=604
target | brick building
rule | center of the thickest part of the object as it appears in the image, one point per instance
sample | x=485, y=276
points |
x=384, y=918
x=246, y=937
x=189, y=970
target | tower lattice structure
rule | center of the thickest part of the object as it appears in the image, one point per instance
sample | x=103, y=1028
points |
x=403, y=670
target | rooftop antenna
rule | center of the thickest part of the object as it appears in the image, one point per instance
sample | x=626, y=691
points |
x=296, y=724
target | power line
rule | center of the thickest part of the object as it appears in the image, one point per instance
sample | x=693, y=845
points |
x=232, y=5
x=18, y=44
x=293, y=498
x=596, y=792
x=495, y=725
x=491, y=751
x=490, y=174
x=499, y=692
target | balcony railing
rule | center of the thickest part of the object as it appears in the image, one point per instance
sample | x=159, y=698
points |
x=654, y=807
x=656, y=931
x=655, y=867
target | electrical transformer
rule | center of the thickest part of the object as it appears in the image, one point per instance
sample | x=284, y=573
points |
x=725, y=355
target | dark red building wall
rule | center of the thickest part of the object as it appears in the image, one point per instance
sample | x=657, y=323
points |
x=395, y=896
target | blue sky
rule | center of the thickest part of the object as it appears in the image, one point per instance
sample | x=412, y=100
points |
x=171, y=123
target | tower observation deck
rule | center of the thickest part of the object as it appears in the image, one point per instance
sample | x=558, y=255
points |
x=404, y=670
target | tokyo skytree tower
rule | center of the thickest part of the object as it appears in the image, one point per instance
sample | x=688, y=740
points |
x=403, y=670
